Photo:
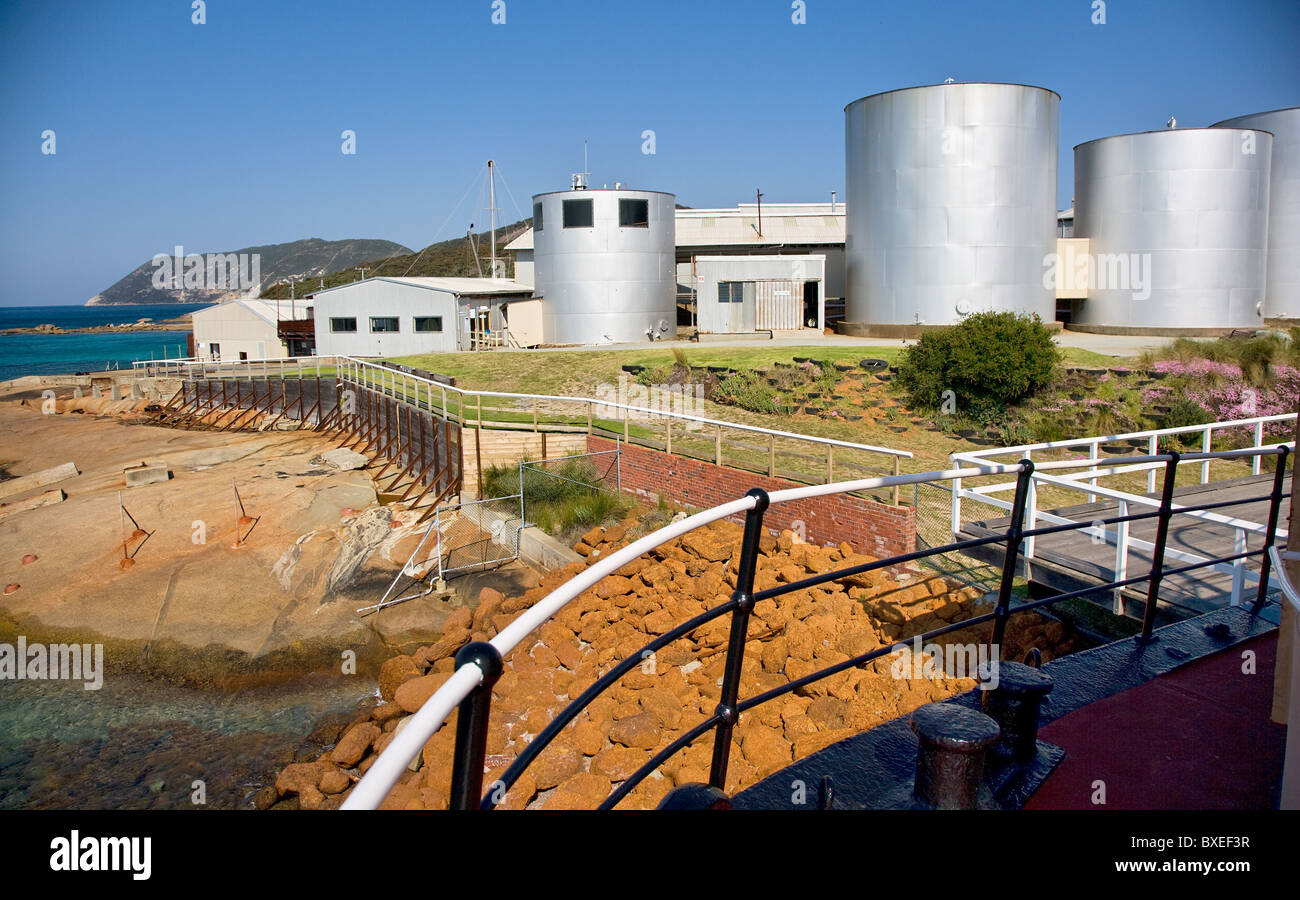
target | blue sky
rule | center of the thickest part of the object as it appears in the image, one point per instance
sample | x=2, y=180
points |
x=227, y=134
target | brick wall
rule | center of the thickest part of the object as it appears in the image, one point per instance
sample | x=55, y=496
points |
x=875, y=528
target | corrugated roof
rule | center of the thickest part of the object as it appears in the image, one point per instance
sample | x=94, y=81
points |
x=465, y=286
x=266, y=309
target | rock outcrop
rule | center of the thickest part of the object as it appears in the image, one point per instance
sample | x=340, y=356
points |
x=789, y=637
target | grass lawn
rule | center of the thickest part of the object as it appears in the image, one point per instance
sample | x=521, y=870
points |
x=579, y=372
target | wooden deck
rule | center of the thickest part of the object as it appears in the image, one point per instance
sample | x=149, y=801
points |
x=1074, y=560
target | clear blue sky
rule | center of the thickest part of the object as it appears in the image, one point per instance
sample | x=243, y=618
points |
x=227, y=134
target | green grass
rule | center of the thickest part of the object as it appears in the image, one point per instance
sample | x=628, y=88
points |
x=565, y=500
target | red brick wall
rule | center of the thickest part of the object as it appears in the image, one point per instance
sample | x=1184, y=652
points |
x=874, y=528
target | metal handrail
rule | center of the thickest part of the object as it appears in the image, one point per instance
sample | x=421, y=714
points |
x=479, y=664
x=317, y=361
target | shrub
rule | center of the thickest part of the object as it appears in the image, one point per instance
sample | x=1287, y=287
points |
x=988, y=361
x=748, y=390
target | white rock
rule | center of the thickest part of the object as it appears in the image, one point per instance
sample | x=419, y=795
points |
x=344, y=460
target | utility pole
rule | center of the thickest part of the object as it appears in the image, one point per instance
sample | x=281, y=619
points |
x=363, y=272
x=759, y=196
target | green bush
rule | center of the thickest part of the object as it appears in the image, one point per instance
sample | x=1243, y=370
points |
x=748, y=390
x=988, y=361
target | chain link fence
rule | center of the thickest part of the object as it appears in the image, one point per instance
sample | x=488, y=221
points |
x=933, y=504
x=582, y=478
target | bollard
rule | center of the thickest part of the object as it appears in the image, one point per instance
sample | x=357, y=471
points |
x=950, y=761
x=1014, y=704
x=695, y=795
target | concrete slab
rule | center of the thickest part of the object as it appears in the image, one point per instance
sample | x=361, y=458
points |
x=142, y=475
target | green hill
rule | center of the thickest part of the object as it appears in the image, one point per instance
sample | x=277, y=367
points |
x=451, y=258
x=308, y=258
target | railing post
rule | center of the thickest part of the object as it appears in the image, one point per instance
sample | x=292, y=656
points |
x=955, y=503
x=1121, y=556
x=1206, y=443
x=744, y=597
x=1158, y=552
x=1152, y=446
x=1093, y=449
x=1270, y=534
x=668, y=436
x=1259, y=442
x=717, y=445
x=472, y=726
x=1031, y=506
x=1238, y=567
x=588, y=418
x=1012, y=550
x=830, y=463
x=771, y=455
x=898, y=461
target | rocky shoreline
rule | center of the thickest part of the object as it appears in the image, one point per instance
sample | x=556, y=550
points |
x=790, y=637
x=144, y=324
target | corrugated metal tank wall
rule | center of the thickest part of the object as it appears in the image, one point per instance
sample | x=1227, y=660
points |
x=1177, y=222
x=1282, y=278
x=951, y=202
x=606, y=283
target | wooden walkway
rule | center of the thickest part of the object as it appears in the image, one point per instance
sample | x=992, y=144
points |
x=1074, y=560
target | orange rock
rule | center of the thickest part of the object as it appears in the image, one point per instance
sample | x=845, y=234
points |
x=617, y=763
x=354, y=744
x=556, y=764
x=412, y=694
x=394, y=672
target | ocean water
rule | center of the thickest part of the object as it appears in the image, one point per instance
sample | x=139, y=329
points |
x=141, y=744
x=46, y=354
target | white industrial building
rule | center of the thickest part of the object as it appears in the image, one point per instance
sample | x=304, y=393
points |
x=745, y=240
x=750, y=294
x=383, y=317
x=252, y=329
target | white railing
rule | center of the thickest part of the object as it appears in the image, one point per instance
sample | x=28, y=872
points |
x=385, y=772
x=1099, y=468
x=418, y=389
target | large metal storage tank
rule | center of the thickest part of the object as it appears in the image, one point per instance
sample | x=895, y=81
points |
x=1282, y=278
x=951, y=202
x=1177, y=222
x=605, y=265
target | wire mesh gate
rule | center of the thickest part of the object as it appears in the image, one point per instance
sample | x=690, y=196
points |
x=461, y=538
x=541, y=480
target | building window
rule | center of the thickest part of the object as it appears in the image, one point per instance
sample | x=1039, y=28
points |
x=214, y=351
x=578, y=214
x=342, y=326
x=243, y=356
x=633, y=213
x=383, y=323
x=428, y=323
x=731, y=291
x=537, y=217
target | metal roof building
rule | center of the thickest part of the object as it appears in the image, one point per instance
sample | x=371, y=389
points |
x=385, y=317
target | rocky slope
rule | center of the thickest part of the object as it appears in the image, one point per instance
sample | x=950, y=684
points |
x=790, y=637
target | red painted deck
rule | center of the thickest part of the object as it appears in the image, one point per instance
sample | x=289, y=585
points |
x=1197, y=738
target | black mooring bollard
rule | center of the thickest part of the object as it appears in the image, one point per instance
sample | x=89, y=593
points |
x=950, y=761
x=1015, y=704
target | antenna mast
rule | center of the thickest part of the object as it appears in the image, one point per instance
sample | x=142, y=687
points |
x=492, y=209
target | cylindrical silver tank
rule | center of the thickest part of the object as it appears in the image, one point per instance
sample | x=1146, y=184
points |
x=951, y=202
x=1282, y=281
x=1177, y=223
x=605, y=265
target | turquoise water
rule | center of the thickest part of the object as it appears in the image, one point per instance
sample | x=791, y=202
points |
x=44, y=354
x=141, y=744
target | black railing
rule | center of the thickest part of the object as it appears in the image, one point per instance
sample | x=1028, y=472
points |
x=474, y=710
